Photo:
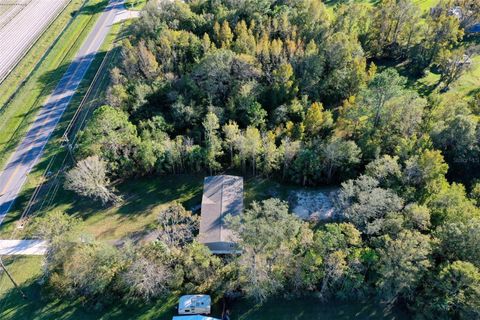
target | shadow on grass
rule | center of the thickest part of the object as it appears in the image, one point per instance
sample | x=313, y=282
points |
x=40, y=305
x=140, y=195
x=309, y=307
x=92, y=9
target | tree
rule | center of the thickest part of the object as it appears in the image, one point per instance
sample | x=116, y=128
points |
x=245, y=40
x=256, y=115
x=403, y=262
x=289, y=149
x=338, y=154
x=268, y=235
x=283, y=85
x=231, y=133
x=317, y=120
x=253, y=145
x=111, y=136
x=53, y=225
x=366, y=205
x=395, y=28
x=455, y=133
x=441, y=33
x=459, y=241
x=270, y=155
x=149, y=274
x=335, y=261
x=212, y=141
x=383, y=114
x=426, y=172
x=218, y=73
x=451, y=204
x=146, y=279
x=310, y=71
x=386, y=170
x=453, y=294
x=60, y=230
x=89, y=179
x=89, y=271
x=200, y=268
x=452, y=64
x=147, y=62
x=177, y=226
x=346, y=67
x=417, y=217
x=223, y=34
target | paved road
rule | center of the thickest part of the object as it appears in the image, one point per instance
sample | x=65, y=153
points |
x=30, y=149
x=23, y=247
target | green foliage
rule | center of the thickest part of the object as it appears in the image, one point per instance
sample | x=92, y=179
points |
x=110, y=135
x=269, y=236
x=403, y=262
x=454, y=293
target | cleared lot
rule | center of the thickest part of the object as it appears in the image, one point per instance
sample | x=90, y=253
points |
x=22, y=22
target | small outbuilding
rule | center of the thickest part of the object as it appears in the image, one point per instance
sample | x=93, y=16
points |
x=222, y=196
x=194, y=304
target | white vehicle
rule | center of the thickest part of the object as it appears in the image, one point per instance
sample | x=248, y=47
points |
x=195, y=317
x=194, y=304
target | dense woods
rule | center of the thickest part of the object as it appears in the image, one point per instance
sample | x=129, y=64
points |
x=294, y=91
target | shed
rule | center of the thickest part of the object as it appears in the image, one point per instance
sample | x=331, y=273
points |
x=222, y=196
x=194, y=304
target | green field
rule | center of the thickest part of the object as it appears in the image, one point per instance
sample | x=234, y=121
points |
x=464, y=88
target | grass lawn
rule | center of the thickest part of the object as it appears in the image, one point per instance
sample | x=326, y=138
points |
x=425, y=4
x=143, y=199
x=463, y=88
x=312, y=309
x=17, y=115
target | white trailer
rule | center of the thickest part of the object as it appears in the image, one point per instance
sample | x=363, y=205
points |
x=195, y=317
x=194, y=304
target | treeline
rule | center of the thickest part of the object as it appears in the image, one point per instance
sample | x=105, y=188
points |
x=280, y=87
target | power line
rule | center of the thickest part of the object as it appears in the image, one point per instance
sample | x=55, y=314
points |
x=46, y=175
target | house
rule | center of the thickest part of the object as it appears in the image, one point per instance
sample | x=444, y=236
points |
x=194, y=304
x=222, y=196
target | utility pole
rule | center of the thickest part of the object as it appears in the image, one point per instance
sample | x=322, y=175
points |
x=11, y=279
